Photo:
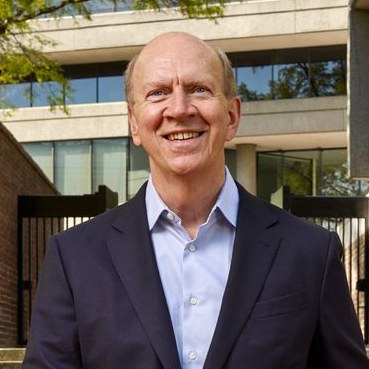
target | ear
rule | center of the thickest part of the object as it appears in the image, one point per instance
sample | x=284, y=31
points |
x=133, y=126
x=234, y=117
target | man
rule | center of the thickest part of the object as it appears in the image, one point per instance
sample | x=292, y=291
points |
x=194, y=272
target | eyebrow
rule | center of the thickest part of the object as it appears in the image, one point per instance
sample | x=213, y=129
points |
x=169, y=82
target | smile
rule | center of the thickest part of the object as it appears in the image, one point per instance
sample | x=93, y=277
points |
x=182, y=136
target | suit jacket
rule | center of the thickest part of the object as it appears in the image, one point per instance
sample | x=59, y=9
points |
x=100, y=302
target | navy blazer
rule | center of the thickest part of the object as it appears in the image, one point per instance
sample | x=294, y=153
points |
x=100, y=303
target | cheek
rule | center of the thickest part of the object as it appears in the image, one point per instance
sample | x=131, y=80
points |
x=149, y=118
x=219, y=121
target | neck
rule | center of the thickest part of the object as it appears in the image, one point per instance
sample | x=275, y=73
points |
x=191, y=197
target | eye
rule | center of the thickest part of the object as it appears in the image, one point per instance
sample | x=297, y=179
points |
x=158, y=93
x=200, y=89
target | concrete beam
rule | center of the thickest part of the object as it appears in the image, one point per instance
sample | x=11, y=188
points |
x=83, y=122
x=254, y=25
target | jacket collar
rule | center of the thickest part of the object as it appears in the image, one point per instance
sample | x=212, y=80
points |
x=256, y=245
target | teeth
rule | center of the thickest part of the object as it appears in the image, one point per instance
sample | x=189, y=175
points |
x=183, y=136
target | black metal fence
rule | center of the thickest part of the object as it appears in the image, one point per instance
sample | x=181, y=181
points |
x=39, y=217
x=349, y=217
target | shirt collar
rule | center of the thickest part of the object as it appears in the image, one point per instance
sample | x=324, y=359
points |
x=227, y=201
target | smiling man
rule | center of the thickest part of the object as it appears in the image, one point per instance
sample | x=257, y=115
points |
x=193, y=272
x=182, y=110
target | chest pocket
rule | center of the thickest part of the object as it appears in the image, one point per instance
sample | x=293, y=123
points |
x=281, y=305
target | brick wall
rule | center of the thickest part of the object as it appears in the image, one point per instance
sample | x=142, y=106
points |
x=19, y=175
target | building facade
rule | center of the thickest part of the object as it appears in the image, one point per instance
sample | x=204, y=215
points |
x=18, y=175
x=291, y=66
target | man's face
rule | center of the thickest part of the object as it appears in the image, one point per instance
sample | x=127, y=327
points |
x=180, y=113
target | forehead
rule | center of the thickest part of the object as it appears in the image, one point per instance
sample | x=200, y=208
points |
x=182, y=57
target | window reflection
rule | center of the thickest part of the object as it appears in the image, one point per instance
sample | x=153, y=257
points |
x=83, y=91
x=73, y=167
x=290, y=73
x=290, y=81
x=18, y=95
x=98, y=6
x=312, y=172
x=109, y=163
x=260, y=75
x=110, y=89
x=139, y=169
x=328, y=78
x=78, y=167
x=42, y=154
x=254, y=82
x=41, y=92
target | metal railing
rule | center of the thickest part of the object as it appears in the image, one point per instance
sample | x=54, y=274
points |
x=40, y=217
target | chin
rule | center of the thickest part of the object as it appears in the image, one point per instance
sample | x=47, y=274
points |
x=185, y=169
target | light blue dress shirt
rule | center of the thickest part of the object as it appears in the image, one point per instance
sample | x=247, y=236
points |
x=194, y=272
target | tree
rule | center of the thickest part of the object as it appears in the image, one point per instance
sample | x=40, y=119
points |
x=21, y=56
x=302, y=79
x=310, y=80
x=249, y=95
x=335, y=182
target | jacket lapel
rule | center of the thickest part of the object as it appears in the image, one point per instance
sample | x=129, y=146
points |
x=255, y=247
x=132, y=254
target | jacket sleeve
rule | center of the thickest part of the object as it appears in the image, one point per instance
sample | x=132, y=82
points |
x=53, y=341
x=338, y=341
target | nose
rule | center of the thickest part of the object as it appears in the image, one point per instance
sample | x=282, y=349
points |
x=179, y=105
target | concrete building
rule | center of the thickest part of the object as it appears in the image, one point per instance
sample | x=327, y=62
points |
x=290, y=62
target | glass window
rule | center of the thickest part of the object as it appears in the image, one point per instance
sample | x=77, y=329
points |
x=269, y=177
x=231, y=161
x=42, y=154
x=41, y=92
x=334, y=176
x=293, y=169
x=111, y=88
x=124, y=5
x=18, y=95
x=110, y=165
x=98, y=6
x=84, y=91
x=328, y=78
x=73, y=167
x=139, y=170
x=313, y=172
x=291, y=81
x=254, y=82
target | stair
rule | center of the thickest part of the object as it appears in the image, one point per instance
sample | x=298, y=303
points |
x=11, y=358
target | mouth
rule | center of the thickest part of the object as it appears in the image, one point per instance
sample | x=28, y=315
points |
x=181, y=136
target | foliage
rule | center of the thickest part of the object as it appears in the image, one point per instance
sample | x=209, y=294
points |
x=309, y=80
x=335, y=182
x=298, y=175
x=21, y=47
x=247, y=94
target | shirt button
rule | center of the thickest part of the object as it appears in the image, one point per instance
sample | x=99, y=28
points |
x=193, y=300
x=192, y=355
x=170, y=215
x=192, y=247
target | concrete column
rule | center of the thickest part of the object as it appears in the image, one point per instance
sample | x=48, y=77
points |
x=246, y=166
x=358, y=94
